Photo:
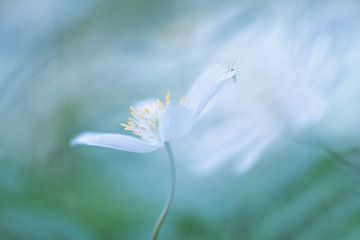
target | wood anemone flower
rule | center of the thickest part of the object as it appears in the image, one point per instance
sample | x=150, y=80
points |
x=154, y=122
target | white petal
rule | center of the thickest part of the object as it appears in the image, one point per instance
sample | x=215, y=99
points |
x=211, y=92
x=175, y=122
x=207, y=86
x=114, y=141
x=208, y=77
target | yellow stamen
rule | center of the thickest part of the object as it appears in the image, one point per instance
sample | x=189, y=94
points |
x=159, y=104
x=144, y=120
x=126, y=127
x=136, y=114
x=167, y=98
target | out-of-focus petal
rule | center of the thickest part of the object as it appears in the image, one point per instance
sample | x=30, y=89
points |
x=114, y=141
x=252, y=156
x=303, y=106
x=220, y=157
x=175, y=122
x=232, y=148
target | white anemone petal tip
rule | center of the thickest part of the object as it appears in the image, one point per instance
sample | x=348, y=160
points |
x=114, y=141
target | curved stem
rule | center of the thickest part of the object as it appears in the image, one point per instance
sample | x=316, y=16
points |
x=170, y=198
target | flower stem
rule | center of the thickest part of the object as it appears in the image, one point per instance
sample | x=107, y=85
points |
x=165, y=211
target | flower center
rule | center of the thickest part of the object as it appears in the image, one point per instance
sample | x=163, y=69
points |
x=144, y=121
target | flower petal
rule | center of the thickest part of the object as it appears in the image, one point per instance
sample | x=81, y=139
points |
x=175, y=122
x=114, y=141
x=207, y=78
x=254, y=154
x=211, y=91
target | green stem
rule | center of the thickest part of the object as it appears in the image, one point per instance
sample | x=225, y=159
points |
x=165, y=211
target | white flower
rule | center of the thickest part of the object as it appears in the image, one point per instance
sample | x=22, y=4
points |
x=155, y=122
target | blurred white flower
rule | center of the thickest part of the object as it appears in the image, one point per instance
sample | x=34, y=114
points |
x=277, y=95
x=156, y=122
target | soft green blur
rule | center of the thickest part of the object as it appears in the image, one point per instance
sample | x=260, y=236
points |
x=71, y=66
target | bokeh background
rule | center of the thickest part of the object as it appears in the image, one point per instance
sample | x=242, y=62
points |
x=71, y=66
